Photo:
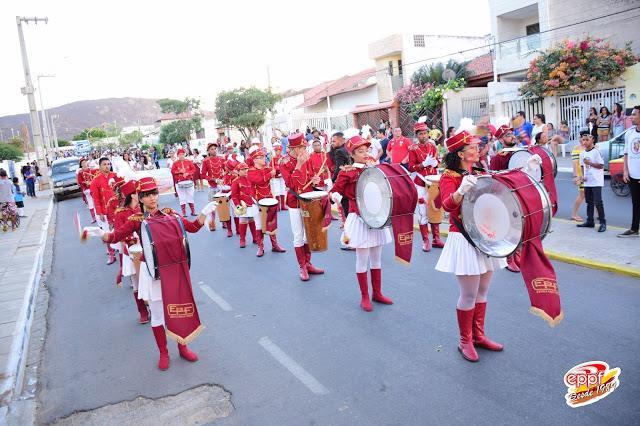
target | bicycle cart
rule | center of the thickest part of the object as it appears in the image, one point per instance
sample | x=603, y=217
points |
x=616, y=170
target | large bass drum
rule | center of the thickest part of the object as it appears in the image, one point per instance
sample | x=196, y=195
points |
x=520, y=157
x=493, y=215
x=148, y=242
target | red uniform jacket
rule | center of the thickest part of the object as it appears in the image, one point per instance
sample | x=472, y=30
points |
x=316, y=162
x=295, y=179
x=122, y=216
x=500, y=161
x=212, y=169
x=260, y=179
x=242, y=190
x=101, y=192
x=449, y=183
x=345, y=185
x=417, y=154
x=85, y=177
x=112, y=205
x=275, y=164
x=183, y=170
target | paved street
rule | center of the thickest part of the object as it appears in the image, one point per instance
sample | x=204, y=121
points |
x=304, y=353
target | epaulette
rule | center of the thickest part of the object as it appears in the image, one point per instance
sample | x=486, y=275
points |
x=168, y=210
x=450, y=173
x=503, y=152
x=120, y=209
x=138, y=217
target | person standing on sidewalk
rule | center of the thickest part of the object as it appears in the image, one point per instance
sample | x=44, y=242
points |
x=632, y=170
x=18, y=197
x=577, y=179
x=592, y=165
x=398, y=148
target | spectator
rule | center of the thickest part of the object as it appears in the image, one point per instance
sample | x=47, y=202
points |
x=398, y=148
x=145, y=164
x=618, y=120
x=284, y=141
x=382, y=126
x=577, y=179
x=382, y=138
x=375, y=149
x=541, y=139
x=592, y=122
x=522, y=128
x=30, y=181
x=539, y=125
x=18, y=197
x=154, y=157
x=340, y=157
x=632, y=170
x=308, y=135
x=7, y=203
x=604, y=124
x=592, y=165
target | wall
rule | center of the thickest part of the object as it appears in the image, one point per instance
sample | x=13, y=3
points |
x=454, y=112
x=631, y=79
x=385, y=92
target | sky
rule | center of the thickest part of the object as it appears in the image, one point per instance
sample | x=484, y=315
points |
x=157, y=49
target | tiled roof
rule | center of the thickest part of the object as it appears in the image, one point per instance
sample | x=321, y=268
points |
x=348, y=83
x=480, y=66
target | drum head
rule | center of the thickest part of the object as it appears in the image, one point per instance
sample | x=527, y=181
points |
x=433, y=178
x=146, y=241
x=268, y=202
x=493, y=218
x=374, y=197
x=135, y=248
x=313, y=195
x=554, y=162
x=519, y=160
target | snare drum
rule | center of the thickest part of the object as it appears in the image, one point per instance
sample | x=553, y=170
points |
x=520, y=157
x=184, y=184
x=224, y=213
x=135, y=252
x=313, y=216
x=435, y=212
x=265, y=217
x=494, y=216
x=150, y=238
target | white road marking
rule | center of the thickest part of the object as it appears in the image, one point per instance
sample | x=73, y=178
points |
x=294, y=368
x=224, y=305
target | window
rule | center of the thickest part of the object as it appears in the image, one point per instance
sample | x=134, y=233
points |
x=399, y=66
x=418, y=40
x=390, y=71
x=533, y=28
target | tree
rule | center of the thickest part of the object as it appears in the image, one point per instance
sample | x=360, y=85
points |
x=9, y=152
x=17, y=142
x=433, y=73
x=176, y=132
x=244, y=109
x=131, y=139
x=62, y=142
x=90, y=134
x=177, y=107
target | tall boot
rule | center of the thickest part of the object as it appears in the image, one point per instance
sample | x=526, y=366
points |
x=186, y=353
x=142, y=309
x=112, y=255
x=260, y=252
x=302, y=262
x=283, y=202
x=161, y=341
x=275, y=247
x=479, y=338
x=376, y=283
x=365, y=302
x=183, y=207
x=426, y=244
x=93, y=215
x=435, y=231
x=119, y=275
x=193, y=209
x=243, y=234
x=212, y=224
x=229, y=229
x=236, y=220
x=310, y=268
x=465, y=324
x=254, y=232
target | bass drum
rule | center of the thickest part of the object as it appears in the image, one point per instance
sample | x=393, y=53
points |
x=520, y=157
x=148, y=244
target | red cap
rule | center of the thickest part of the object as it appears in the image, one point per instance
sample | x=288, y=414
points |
x=180, y=151
x=459, y=140
x=258, y=153
x=296, y=140
x=420, y=127
x=502, y=130
x=212, y=144
x=356, y=142
x=241, y=166
x=129, y=188
x=147, y=184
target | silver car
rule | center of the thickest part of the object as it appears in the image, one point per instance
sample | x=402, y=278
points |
x=612, y=148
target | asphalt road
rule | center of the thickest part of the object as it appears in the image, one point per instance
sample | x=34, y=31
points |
x=304, y=353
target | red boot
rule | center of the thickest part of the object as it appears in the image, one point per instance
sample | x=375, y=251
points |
x=161, y=341
x=212, y=224
x=254, y=231
x=186, y=353
x=283, y=202
x=465, y=324
x=511, y=264
x=435, y=231
x=479, y=339
x=426, y=244
x=119, y=275
x=310, y=268
x=365, y=303
x=229, y=229
x=376, y=283
x=275, y=247
x=260, y=252
x=236, y=220
x=243, y=234
x=183, y=207
x=93, y=215
x=142, y=309
x=193, y=209
x=302, y=261
x=112, y=255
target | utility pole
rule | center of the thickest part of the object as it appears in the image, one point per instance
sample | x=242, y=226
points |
x=28, y=91
x=53, y=131
x=45, y=122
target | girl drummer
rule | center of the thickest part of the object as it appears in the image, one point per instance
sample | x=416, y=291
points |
x=368, y=242
x=473, y=269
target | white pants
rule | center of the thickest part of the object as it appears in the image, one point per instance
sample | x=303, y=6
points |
x=185, y=195
x=368, y=257
x=297, y=227
x=89, y=198
x=157, y=312
x=421, y=208
x=256, y=217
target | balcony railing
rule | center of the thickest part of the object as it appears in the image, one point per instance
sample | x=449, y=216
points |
x=520, y=48
x=396, y=83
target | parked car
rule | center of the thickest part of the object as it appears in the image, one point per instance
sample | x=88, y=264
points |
x=612, y=148
x=63, y=177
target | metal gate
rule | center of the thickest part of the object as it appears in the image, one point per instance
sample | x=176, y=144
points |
x=530, y=107
x=372, y=118
x=475, y=108
x=408, y=116
x=575, y=108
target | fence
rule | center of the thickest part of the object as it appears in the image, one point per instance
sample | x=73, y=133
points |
x=575, y=108
x=475, y=107
x=337, y=121
x=530, y=107
x=408, y=116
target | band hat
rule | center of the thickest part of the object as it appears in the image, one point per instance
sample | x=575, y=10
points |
x=255, y=141
x=252, y=149
x=146, y=184
x=241, y=166
x=420, y=127
x=180, y=151
x=277, y=145
x=459, y=140
x=502, y=130
x=212, y=144
x=129, y=188
x=257, y=153
x=296, y=140
x=356, y=142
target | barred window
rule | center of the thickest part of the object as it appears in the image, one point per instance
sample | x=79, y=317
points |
x=418, y=40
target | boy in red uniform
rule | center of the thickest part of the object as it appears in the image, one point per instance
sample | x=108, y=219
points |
x=213, y=172
x=245, y=209
x=183, y=171
x=101, y=192
x=85, y=176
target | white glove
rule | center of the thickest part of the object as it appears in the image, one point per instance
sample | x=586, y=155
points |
x=534, y=162
x=468, y=182
x=336, y=198
x=93, y=231
x=429, y=161
x=209, y=208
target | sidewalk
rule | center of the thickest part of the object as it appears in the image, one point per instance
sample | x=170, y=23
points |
x=20, y=271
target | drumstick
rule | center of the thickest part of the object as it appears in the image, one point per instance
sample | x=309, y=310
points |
x=319, y=171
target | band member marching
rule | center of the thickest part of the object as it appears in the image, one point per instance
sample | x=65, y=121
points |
x=153, y=290
x=183, y=171
x=318, y=162
x=85, y=176
x=367, y=241
x=260, y=178
x=472, y=268
x=246, y=210
x=213, y=172
x=113, y=204
x=423, y=160
x=101, y=192
x=278, y=189
x=231, y=161
x=298, y=178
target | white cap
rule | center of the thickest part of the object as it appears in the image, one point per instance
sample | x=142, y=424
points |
x=255, y=141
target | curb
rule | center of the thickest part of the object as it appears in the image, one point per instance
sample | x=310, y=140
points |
x=12, y=384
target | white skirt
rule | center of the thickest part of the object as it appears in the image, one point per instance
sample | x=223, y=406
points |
x=461, y=258
x=148, y=288
x=185, y=195
x=361, y=236
x=277, y=186
x=128, y=268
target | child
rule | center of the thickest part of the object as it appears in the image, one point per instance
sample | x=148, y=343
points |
x=592, y=165
x=18, y=197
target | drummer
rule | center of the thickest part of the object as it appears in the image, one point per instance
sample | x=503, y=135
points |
x=231, y=160
x=149, y=289
x=183, y=170
x=423, y=161
x=295, y=172
x=472, y=269
x=113, y=204
x=367, y=241
x=260, y=178
x=242, y=196
x=318, y=162
x=278, y=189
x=213, y=172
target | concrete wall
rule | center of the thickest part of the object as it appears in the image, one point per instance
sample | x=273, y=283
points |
x=347, y=101
x=454, y=111
x=385, y=92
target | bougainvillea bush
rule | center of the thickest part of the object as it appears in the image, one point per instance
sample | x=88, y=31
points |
x=575, y=66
